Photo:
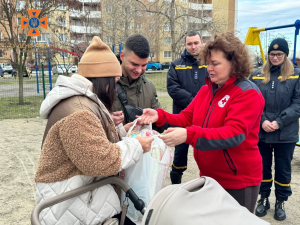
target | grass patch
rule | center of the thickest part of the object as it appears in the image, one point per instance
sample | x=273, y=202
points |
x=166, y=103
x=159, y=79
x=10, y=108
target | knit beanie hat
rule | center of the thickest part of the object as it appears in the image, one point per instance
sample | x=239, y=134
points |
x=99, y=61
x=279, y=44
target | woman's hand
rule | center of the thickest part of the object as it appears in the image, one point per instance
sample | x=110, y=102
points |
x=145, y=142
x=117, y=117
x=149, y=116
x=128, y=125
x=275, y=125
x=174, y=136
x=268, y=126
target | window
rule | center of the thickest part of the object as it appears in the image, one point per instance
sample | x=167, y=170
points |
x=77, y=22
x=22, y=37
x=151, y=27
x=128, y=25
x=43, y=38
x=63, y=37
x=167, y=54
x=151, y=0
x=1, y=53
x=168, y=11
x=108, y=39
x=167, y=0
x=167, y=41
x=20, y=5
x=184, y=1
x=109, y=9
x=37, y=5
x=167, y=27
x=61, y=7
x=0, y=36
x=109, y=24
x=126, y=10
x=138, y=26
x=19, y=21
x=62, y=22
x=90, y=7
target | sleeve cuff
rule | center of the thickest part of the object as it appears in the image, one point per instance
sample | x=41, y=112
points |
x=162, y=119
x=190, y=133
x=280, y=123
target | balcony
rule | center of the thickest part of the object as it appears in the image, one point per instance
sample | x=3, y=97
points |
x=200, y=20
x=196, y=6
x=85, y=29
x=91, y=14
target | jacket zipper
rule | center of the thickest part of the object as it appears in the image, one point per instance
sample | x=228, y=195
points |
x=234, y=169
x=209, y=115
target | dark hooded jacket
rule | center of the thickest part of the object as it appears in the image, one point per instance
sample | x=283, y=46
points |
x=184, y=80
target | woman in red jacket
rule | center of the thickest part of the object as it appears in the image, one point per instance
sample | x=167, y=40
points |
x=222, y=122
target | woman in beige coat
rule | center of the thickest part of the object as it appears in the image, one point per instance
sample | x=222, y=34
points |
x=81, y=142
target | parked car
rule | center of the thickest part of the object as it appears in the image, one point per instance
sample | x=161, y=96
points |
x=1, y=72
x=166, y=65
x=7, y=68
x=154, y=66
x=61, y=69
x=74, y=69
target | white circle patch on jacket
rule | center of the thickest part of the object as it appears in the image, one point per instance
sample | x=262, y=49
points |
x=223, y=101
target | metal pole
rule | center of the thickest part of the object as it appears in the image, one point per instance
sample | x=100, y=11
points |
x=120, y=48
x=36, y=70
x=113, y=48
x=49, y=67
x=43, y=76
x=297, y=25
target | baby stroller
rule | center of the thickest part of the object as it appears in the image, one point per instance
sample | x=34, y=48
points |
x=199, y=201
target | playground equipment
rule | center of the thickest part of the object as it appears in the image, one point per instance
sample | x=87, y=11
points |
x=253, y=38
x=49, y=46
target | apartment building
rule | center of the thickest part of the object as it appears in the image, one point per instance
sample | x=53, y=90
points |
x=205, y=16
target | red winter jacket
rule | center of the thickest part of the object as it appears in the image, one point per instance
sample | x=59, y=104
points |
x=223, y=129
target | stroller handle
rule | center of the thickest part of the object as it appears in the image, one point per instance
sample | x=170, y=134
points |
x=138, y=203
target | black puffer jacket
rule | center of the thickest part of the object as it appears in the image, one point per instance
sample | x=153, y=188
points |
x=184, y=80
x=282, y=103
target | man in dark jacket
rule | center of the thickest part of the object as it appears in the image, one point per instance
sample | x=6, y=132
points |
x=139, y=90
x=184, y=80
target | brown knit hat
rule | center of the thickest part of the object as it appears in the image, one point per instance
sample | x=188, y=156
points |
x=99, y=61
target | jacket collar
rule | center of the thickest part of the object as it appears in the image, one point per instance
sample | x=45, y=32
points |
x=211, y=85
x=125, y=81
x=188, y=56
x=66, y=87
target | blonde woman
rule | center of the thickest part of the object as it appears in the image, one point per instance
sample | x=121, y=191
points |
x=279, y=83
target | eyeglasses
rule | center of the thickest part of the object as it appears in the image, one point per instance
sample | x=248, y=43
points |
x=279, y=55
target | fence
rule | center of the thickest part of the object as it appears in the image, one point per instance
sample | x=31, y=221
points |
x=9, y=94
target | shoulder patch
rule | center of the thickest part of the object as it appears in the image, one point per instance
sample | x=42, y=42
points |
x=246, y=85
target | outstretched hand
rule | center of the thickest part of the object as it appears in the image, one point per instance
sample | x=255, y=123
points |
x=149, y=116
x=145, y=142
x=174, y=136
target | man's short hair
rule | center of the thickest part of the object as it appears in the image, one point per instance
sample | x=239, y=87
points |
x=191, y=34
x=139, y=45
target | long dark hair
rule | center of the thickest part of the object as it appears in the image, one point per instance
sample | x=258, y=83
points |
x=100, y=84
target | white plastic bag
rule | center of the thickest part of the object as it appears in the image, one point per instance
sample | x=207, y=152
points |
x=147, y=176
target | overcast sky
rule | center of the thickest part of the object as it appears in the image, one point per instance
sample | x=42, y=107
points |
x=269, y=13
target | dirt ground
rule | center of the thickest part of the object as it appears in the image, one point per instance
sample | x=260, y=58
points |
x=20, y=142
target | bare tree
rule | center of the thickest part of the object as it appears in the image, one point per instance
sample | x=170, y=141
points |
x=17, y=39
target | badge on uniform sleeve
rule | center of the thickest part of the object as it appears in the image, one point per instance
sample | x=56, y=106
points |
x=223, y=101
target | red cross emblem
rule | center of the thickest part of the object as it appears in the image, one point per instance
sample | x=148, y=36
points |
x=223, y=101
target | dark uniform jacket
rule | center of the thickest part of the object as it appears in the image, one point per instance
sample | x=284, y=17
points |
x=184, y=80
x=282, y=103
